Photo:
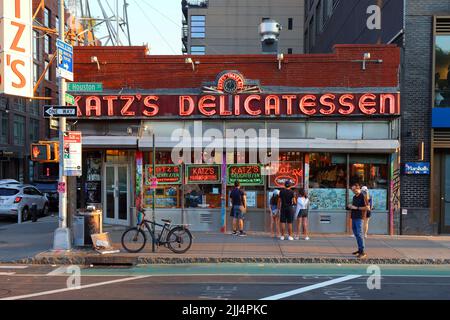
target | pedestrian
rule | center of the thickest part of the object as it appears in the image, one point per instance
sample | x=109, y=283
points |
x=301, y=214
x=286, y=205
x=238, y=208
x=358, y=206
x=274, y=214
x=368, y=214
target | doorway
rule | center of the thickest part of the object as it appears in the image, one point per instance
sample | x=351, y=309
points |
x=116, y=195
x=445, y=194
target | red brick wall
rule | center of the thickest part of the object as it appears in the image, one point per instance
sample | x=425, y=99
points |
x=130, y=67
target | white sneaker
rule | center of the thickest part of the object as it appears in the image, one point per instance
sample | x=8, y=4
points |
x=296, y=238
x=307, y=238
x=282, y=238
x=290, y=238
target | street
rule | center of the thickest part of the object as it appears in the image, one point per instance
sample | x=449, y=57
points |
x=224, y=282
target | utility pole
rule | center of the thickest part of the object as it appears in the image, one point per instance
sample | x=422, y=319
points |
x=62, y=237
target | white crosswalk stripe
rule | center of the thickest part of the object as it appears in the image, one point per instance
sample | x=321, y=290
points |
x=13, y=267
x=7, y=273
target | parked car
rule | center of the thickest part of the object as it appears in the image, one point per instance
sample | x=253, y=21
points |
x=15, y=198
x=50, y=189
x=8, y=181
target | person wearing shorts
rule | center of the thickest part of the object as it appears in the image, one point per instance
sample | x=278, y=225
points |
x=286, y=204
x=238, y=200
x=302, y=214
x=274, y=214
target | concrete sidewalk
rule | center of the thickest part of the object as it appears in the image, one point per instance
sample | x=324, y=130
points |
x=260, y=248
x=20, y=241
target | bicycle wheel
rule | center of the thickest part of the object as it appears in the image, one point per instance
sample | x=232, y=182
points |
x=133, y=240
x=179, y=240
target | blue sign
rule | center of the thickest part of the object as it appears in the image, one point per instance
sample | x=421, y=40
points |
x=440, y=118
x=416, y=168
x=65, y=60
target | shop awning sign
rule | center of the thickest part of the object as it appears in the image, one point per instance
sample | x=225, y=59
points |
x=72, y=153
x=246, y=174
x=416, y=168
x=203, y=174
x=165, y=173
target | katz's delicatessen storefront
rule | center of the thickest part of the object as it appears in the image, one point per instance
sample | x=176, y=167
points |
x=330, y=136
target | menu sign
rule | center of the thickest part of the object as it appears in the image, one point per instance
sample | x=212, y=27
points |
x=246, y=174
x=165, y=173
x=203, y=174
x=292, y=171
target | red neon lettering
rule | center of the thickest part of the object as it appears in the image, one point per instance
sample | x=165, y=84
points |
x=289, y=100
x=182, y=108
x=93, y=104
x=148, y=104
x=110, y=100
x=203, y=105
x=247, y=105
x=392, y=104
x=308, y=101
x=348, y=104
x=125, y=110
x=324, y=100
x=364, y=103
x=223, y=111
x=272, y=103
x=15, y=42
x=237, y=107
x=77, y=99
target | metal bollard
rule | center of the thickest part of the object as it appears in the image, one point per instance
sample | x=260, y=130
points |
x=19, y=217
x=34, y=213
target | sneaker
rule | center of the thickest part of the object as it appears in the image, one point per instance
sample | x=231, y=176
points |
x=362, y=255
x=242, y=234
x=290, y=238
x=282, y=238
x=296, y=238
x=307, y=238
x=234, y=233
x=355, y=253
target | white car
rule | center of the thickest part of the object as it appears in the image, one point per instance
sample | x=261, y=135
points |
x=15, y=198
x=8, y=181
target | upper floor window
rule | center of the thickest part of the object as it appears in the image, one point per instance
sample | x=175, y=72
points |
x=19, y=104
x=35, y=45
x=47, y=45
x=4, y=127
x=199, y=50
x=47, y=73
x=442, y=64
x=290, y=23
x=47, y=17
x=19, y=130
x=198, y=26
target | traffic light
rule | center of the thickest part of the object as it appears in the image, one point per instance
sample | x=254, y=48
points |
x=40, y=152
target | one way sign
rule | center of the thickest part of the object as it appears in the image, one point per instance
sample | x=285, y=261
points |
x=60, y=111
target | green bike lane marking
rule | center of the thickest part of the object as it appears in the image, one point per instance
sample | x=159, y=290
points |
x=236, y=269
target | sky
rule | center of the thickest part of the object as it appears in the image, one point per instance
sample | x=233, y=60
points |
x=153, y=22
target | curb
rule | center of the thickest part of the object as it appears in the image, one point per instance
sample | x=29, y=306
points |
x=127, y=260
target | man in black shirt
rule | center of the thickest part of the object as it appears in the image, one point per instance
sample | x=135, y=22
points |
x=358, y=208
x=239, y=205
x=286, y=203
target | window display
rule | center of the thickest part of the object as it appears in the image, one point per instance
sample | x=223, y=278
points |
x=327, y=171
x=442, y=71
x=202, y=196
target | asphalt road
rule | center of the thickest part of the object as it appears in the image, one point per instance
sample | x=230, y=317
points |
x=226, y=282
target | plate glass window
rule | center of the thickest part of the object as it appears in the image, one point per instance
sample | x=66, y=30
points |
x=198, y=26
x=19, y=130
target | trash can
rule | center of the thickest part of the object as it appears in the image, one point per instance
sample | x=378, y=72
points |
x=86, y=223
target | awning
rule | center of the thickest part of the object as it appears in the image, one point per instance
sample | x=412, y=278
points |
x=112, y=142
x=306, y=145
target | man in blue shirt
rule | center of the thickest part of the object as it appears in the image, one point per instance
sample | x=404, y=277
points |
x=358, y=208
x=238, y=207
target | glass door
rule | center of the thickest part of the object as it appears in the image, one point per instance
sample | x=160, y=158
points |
x=445, y=196
x=116, y=194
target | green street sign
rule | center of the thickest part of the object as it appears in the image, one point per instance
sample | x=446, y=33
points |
x=70, y=100
x=85, y=87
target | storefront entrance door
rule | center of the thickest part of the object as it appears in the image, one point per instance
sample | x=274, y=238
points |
x=445, y=195
x=116, y=196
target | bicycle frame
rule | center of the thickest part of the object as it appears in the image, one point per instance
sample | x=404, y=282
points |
x=164, y=231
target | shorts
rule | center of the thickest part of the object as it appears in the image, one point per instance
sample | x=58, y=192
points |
x=274, y=210
x=303, y=213
x=236, y=213
x=287, y=215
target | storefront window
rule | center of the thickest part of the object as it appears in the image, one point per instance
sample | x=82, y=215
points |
x=202, y=187
x=371, y=171
x=442, y=71
x=327, y=181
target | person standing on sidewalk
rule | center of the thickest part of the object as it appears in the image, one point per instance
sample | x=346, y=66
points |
x=358, y=207
x=238, y=208
x=301, y=214
x=368, y=214
x=286, y=205
x=274, y=214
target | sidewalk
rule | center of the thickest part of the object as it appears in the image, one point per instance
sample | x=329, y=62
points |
x=260, y=248
x=20, y=241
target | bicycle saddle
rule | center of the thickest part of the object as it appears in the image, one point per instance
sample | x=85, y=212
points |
x=166, y=220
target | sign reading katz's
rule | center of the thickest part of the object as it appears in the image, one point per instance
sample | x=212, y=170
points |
x=246, y=174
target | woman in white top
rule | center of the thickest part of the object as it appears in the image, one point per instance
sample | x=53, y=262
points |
x=302, y=214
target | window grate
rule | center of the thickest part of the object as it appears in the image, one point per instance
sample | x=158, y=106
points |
x=441, y=139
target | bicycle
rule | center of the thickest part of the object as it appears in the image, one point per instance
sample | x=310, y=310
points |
x=178, y=239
